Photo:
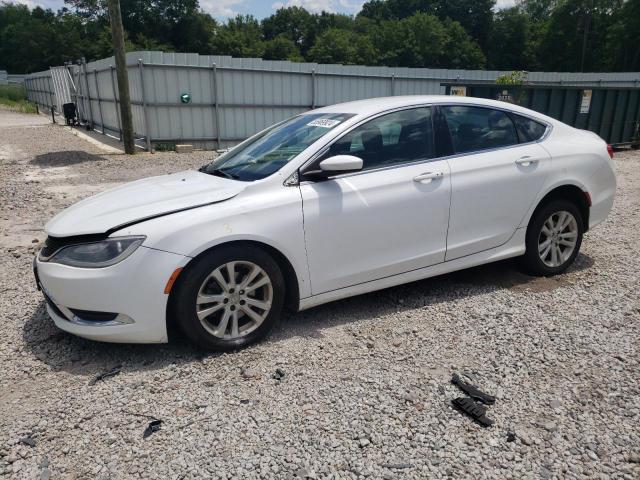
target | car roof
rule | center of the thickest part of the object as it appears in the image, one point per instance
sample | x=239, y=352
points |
x=372, y=106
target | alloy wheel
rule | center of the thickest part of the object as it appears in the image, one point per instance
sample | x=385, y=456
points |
x=234, y=299
x=557, y=239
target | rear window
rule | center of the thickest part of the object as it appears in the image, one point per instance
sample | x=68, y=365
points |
x=529, y=130
x=478, y=128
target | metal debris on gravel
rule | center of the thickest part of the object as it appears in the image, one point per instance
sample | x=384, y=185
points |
x=366, y=392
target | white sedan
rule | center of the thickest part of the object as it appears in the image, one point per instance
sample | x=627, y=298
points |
x=332, y=203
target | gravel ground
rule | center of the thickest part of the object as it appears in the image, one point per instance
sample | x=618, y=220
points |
x=365, y=392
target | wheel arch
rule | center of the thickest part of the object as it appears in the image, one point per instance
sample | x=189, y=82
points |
x=571, y=192
x=292, y=285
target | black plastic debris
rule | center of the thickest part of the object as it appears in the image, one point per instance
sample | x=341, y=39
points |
x=279, y=375
x=473, y=391
x=30, y=442
x=153, y=427
x=104, y=375
x=473, y=409
x=511, y=437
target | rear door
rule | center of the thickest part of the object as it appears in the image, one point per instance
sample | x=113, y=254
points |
x=497, y=170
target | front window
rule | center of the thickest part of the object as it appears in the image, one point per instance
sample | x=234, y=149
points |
x=267, y=152
x=391, y=139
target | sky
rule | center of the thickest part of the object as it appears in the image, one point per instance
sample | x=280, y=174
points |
x=222, y=9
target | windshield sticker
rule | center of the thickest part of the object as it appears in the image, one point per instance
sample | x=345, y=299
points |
x=323, y=123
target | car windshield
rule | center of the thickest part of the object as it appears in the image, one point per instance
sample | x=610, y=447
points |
x=269, y=151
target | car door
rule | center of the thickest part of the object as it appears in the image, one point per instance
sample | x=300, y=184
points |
x=496, y=174
x=387, y=219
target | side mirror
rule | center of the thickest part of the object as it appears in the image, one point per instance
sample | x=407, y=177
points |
x=335, y=166
x=341, y=164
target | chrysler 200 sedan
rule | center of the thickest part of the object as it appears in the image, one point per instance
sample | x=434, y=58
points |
x=331, y=203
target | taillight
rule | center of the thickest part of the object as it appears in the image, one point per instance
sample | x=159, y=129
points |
x=610, y=150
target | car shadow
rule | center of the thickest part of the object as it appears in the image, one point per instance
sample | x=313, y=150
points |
x=65, y=352
x=64, y=158
x=423, y=293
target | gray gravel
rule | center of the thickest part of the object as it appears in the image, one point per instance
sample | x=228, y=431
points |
x=365, y=392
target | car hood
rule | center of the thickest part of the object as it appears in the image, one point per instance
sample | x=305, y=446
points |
x=140, y=200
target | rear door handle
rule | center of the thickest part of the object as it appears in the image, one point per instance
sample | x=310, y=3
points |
x=428, y=176
x=526, y=161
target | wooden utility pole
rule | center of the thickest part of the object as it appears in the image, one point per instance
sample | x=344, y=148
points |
x=123, y=78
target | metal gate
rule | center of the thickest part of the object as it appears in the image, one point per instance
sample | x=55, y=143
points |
x=63, y=86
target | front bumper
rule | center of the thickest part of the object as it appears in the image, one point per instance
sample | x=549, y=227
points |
x=133, y=289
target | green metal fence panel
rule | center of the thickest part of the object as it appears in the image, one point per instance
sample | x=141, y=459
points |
x=613, y=113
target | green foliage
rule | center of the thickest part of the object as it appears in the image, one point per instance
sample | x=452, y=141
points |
x=15, y=98
x=513, y=78
x=13, y=92
x=622, y=45
x=474, y=15
x=576, y=33
x=240, y=37
x=164, y=147
x=561, y=35
x=423, y=40
x=342, y=46
x=282, y=48
x=510, y=41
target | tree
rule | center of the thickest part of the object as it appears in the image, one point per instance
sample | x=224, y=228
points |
x=293, y=23
x=537, y=10
x=167, y=24
x=240, y=37
x=474, y=15
x=575, y=38
x=377, y=10
x=622, y=50
x=282, y=48
x=460, y=50
x=34, y=40
x=510, y=43
x=424, y=41
x=343, y=47
x=560, y=35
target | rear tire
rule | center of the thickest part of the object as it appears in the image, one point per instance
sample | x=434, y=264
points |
x=554, y=237
x=229, y=298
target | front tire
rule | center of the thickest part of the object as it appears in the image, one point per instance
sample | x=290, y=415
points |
x=554, y=237
x=229, y=298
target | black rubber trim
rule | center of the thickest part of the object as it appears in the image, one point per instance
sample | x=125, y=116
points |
x=475, y=410
x=93, y=316
x=473, y=391
x=54, y=307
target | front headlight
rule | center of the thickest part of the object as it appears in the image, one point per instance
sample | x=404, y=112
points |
x=97, y=254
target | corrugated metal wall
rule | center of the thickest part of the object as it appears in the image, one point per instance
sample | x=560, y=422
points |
x=232, y=98
x=611, y=112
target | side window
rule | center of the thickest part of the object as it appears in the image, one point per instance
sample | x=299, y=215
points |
x=477, y=128
x=529, y=130
x=397, y=137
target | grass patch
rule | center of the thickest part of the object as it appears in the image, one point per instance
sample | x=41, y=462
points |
x=164, y=147
x=15, y=97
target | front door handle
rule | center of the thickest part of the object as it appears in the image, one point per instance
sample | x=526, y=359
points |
x=428, y=176
x=526, y=161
